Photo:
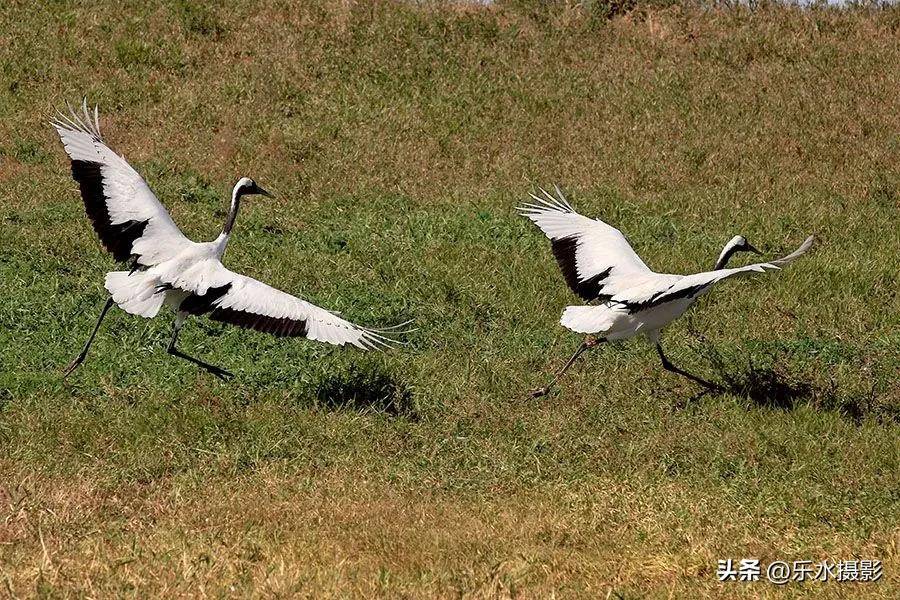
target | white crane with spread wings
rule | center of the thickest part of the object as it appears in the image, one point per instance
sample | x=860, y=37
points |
x=166, y=268
x=600, y=266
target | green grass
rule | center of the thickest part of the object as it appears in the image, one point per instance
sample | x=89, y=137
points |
x=397, y=139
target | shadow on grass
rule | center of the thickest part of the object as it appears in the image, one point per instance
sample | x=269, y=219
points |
x=774, y=387
x=366, y=388
x=768, y=387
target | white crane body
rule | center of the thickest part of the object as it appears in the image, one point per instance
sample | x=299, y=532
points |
x=600, y=266
x=168, y=269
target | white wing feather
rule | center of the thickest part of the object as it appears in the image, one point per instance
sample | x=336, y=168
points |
x=595, y=258
x=671, y=287
x=656, y=301
x=125, y=195
x=247, y=302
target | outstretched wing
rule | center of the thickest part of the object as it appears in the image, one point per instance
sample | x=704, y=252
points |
x=595, y=258
x=230, y=297
x=691, y=286
x=126, y=215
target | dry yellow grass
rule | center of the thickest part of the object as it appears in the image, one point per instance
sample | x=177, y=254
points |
x=340, y=534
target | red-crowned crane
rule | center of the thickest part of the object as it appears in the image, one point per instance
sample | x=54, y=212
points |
x=600, y=266
x=166, y=268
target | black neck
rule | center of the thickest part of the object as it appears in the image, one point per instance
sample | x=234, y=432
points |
x=232, y=213
x=723, y=260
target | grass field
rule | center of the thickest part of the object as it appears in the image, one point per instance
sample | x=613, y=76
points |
x=398, y=138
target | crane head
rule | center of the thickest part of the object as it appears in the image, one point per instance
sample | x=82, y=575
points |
x=736, y=244
x=742, y=245
x=246, y=186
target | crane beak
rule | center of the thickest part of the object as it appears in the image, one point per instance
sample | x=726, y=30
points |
x=263, y=192
x=750, y=248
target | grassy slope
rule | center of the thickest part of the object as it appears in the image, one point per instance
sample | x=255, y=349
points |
x=397, y=141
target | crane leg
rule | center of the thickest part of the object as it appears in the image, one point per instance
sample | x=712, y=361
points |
x=87, y=346
x=588, y=343
x=670, y=367
x=217, y=371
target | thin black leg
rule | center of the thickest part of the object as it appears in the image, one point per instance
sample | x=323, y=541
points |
x=81, y=356
x=670, y=367
x=217, y=371
x=587, y=344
